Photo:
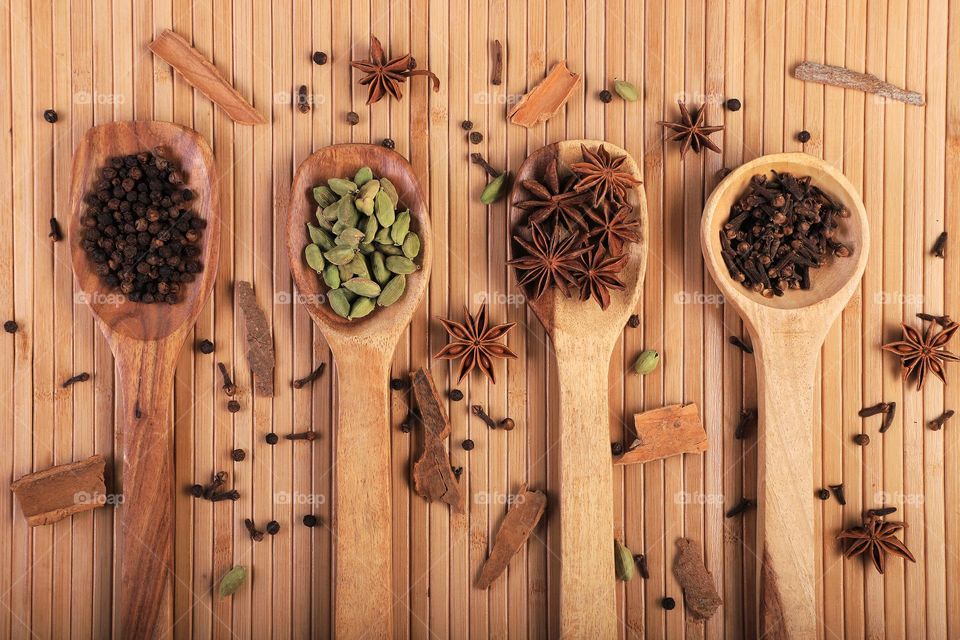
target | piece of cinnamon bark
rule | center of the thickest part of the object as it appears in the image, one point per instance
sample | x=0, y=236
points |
x=260, y=353
x=699, y=591
x=547, y=98
x=517, y=526
x=664, y=432
x=433, y=478
x=55, y=493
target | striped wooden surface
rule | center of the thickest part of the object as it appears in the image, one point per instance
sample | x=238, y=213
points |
x=88, y=60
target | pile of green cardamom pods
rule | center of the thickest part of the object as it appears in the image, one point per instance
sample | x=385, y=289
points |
x=361, y=246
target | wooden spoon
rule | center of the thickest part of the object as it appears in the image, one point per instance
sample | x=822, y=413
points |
x=363, y=349
x=145, y=340
x=787, y=334
x=583, y=338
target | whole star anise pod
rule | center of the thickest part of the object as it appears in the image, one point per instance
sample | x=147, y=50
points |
x=876, y=537
x=926, y=352
x=597, y=275
x=475, y=343
x=601, y=173
x=385, y=76
x=554, y=202
x=550, y=261
x=691, y=131
x=614, y=226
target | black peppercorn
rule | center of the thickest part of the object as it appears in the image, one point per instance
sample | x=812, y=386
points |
x=605, y=96
x=10, y=326
x=319, y=57
x=273, y=527
x=862, y=439
x=399, y=384
x=233, y=406
x=803, y=136
x=476, y=137
x=733, y=104
x=405, y=426
x=389, y=143
x=205, y=347
x=467, y=445
x=196, y=491
x=617, y=448
x=310, y=520
x=272, y=438
x=353, y=117
x=466, y=125
x=238, y=455
x=50, y=116
x=823, y=494
x=456, y=395
x=634, y=321
x=668, y=603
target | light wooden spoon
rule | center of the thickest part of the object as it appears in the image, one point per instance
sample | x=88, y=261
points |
x=787, y=334
x=146, y=340
x=583, y=338
x=363, y=350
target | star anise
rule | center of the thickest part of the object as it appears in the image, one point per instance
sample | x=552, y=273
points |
x=475, y=343
x=550, y=260
x=876, y=537
x=554, y=202
x=691, y=131
x=385, y=76
x=601, y=173
x=614, y=226
x=597, y=275
x=923, y=353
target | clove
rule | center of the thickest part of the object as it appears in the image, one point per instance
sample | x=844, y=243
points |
x=740, y=507
x=888, y=417
x=55, y=232
x=80, y=377
x=880, y=407
x=310, y=377
x=740, y=344
x=496, y=77
x=478, y=158
x=940, y=246
x=228, y=387
x=303, y=100
x=937, y=423
x=218, y=480
x=882, y=512
x=641, y=561
x=303, y=435
x=943, y=321
x=255, y=534
x=838, y=493
x=748, y=417
x=233, y=494
x=478, y=411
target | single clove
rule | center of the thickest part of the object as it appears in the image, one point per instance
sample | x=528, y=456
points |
x=748, y=417
x=740, y=344
x=838, y=493
x=937, y=423
x=457, y=471
x=55, y=232
x=478, y=411
x=641, y=561
x=478, y=158
x=255, y=534
x=228, y=387
x=940, y=246
x=310, y=436
x=880, y=407
x=741, y=507
x=233, y=494
x=943, y=321
x=882, y=512
x=888, y=417
x=218, y=480
x=496, y=77
x=303, y=100
x=80, y=377
x=310, y=377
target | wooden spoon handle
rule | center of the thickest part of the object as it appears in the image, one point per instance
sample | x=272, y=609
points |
x=145, y=377
x=787, y=590
x=364, y=595
x=588, y=606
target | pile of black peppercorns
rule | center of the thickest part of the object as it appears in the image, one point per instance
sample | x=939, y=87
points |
x=139, y=229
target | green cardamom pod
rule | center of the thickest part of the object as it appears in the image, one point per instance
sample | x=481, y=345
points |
x=329, y=212
x=364, y=175
x=495, y=189
x=626, y=90
x=359, y=266
x=624, y=563
x=378, y=269
x=370, y=229
x=388, y=249
x=340, y=255
x=345, y=271
x=366, y=248
x=369, y=190
x=646, y=362
x=383, y=236
x=400, y=264
x=349, y=238
x=331, y=275
x=314, y=257
x=324, y=196
x=385, y=209
x=323, y=223
x=347, y=213
x=232, y=581
x=364, y=206
x=411, y=245
x=363, y=287
x=387, y=186
x=320, y=237
x=339, y=302
x=361, y=307
x=349, y=295
x=392, y=291
x=400, y=227
x=342, y=187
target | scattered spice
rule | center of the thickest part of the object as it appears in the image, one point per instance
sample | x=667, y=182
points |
x=72, y=380
x=920, y=353
x=876, y=538
x=623, y=563
x=478, y=411
x=310, y=377
x=943, y=321
x=273, y=527
x=626, y=90
x=881, y=512
x=255, y=534
x=848, y=79
x=10, y=326
x=219, y=479
x=303, y=99
x=740, y=344
x=259, y=339
x=803, y=136
x=272, y=438
x=888, y=417
x=691, y=132
x=50, y=116
x=319, y=57
x=641, y=561
x=861, y=439
x=55, y=232
x=232, y=495
x=475, y=343
x=646, y=362
x=232, y=581
x=233, y=406
x=872, y=410
x=388, y=143
x=353, y=118
x=205, y=347
x=616, y=448
x=823, y=494
x=383, y=77
x=475, y=137
x=605, y=96
x=668, y=603
x=228, y=387
x=496, y=188
x=747, y=423
x=50, y=495
x=467, y=445
x=699, y=591
x=733, y=104
x=518, y=524
x=741, y=507
x=634, y=321
x=310, y=520
x=507, y=424
x=937, y=423
x=940, y=246
x=668, y=431
x=838, y=493
x=238, y=455
x=466, y=125
x=547, y=98
x=196, y=491
x=456, y=395
x=433, y=478
x=309, y=436
x=457, y=472
x=496, y=76
x=399, y=384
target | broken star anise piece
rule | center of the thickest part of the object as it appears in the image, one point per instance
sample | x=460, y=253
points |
x=925, y=352
x=385, y=76
x=597, y=275
x=550, y=260
x=475, y=343
x=691, y=131
x=614, y=226
x=603, y=175
x=554, y=202
x=877, y=538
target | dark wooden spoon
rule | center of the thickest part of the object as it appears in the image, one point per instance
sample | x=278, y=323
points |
x=145, y=340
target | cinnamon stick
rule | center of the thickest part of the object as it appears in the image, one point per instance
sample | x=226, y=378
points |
x=433, y=478
x=259, y=339
x=517, y=526
x=699, y=592
x=664, y=432
x=547, y=98
x=55, y=493
x=848, y=79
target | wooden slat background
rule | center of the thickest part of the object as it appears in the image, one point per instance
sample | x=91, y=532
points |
x=88, y=60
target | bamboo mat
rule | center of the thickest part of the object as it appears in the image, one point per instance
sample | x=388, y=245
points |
x=88, y=60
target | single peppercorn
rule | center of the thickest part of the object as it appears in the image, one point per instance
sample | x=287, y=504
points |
x=405, y=426
x=668, y=603
x=10, y=326
x=319, y=57
x=733, y=104
x=466, y=125
x=412, y=64
x=606, y=96
x=238, y=455
x=50, y=116
x=205, y=347
x=803, y=136
x=507, y=424
x=476, y=137
x=634, y=321
x=823, y=494
x=272, y=438
x=273, y=527
x=862, y=439
x=399, y=384
x=196, y=491
x=310, y=520
x=456, y=395
x=617, y=448
x=233, y=406
x=467, y=445
x=353, y=117
x=389, y=143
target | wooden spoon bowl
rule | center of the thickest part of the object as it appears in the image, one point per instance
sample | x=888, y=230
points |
x=787, y=333
x=146, y=340
x=583, y=337
x=363, y=349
